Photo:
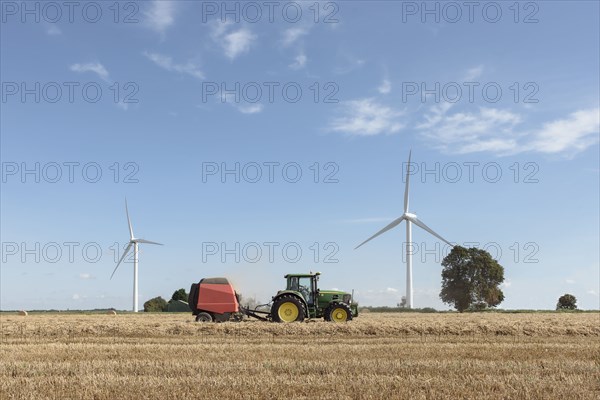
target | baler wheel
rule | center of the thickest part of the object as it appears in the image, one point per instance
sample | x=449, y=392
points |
x=204, y=317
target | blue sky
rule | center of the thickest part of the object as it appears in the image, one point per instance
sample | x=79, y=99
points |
x=499, y=103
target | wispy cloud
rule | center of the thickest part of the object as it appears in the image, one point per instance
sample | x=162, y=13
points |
x=233, y=42
x=291, y=35
x=488, y=129
x=299, y=61
x=366, y=117
x=122, y=105
x=96, y=68
x=166, y=62
x=573, y=134
x=245, y=107
x=160, y=15
x=570, y=281
x=238, y=42
x=497, y=131
x=350, y=65
x=86, y=276
x=473, y=73
x=53, y=30
x=250, y=109
x=102, y=72
x=385, y=87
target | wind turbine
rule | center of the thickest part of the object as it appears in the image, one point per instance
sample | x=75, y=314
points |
x=410, y=219
x=133, y=241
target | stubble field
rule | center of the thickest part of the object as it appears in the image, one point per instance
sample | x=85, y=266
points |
x=377, y=356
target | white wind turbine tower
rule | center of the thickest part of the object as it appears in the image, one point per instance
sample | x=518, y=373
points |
x=410, y=219
x=132, y=242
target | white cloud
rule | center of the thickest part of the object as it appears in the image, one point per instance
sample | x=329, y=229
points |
x=385, y=87
x=495, y=130
x=96, y=68
x=570, y=281
x=160, y=15
x=242, y=106
x=350, y=65
x=506, y=284
x=366, y=117
x=488, y=129
x=53, y=30
x=234, y=43
x=102, y=72
x=575, y=133
x=291, y=35
x=86, y=276
x=299, y=61
x=592, y=292
x=251, y=109
x=473, y=73
x=123, y=106
x=437, y=113
x=75, y=296
x=238, y=42
x=391, y=290
x=166, y=62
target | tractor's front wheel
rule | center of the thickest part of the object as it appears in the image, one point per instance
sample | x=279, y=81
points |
x=288, y=308
x=338, y=313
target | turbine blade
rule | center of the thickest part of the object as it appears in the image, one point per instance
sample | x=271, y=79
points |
x=407, y=183
x=128, y=221
x=428, y=229
x=147, y=241
x=387, y=228
x=122, y=257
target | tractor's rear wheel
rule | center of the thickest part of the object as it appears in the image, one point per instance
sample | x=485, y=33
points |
x=338, y=313
x=204, y=317
x=288, y=309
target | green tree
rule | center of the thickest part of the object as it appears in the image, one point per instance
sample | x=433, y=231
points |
x=566, y=302
x=156, y=304
x=471, y=279
x=180, y=295
x=402, y=303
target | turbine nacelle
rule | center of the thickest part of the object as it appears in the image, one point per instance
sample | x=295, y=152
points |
x=409, y=216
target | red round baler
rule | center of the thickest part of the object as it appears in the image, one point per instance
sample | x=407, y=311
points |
x=213, y=299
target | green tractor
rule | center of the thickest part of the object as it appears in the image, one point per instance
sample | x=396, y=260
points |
x=302, y=299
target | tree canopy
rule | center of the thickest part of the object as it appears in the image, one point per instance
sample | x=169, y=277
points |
x=180, y=294
x=566, y=302
x=471, y=279
x=156, y=304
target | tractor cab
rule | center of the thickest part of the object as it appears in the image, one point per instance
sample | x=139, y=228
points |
x=305, y=284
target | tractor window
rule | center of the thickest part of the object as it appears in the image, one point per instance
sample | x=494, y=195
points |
x=293, y=283
x=306, y=288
